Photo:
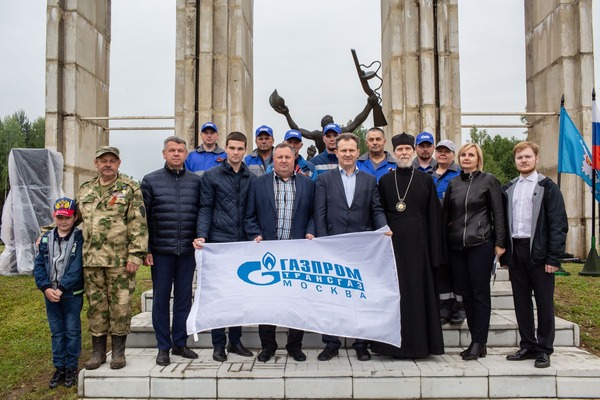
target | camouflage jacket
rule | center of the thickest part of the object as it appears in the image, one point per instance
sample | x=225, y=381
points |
x=114, y=225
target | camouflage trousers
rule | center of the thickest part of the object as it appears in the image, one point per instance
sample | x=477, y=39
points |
x=109, y=292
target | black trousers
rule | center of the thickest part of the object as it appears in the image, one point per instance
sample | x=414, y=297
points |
x=268, y=340
x=524, y=278
x=472, y=268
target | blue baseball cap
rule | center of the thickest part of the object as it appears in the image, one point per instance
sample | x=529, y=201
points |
x=332, y=127
x=209, y=125
x=64, y=206
x=424, y=137
x=264, y=129
x=292, y=134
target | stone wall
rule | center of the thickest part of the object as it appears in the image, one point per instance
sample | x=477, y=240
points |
x=77, y=83
x=222, y=69
x=559, y=60
x=421, y=76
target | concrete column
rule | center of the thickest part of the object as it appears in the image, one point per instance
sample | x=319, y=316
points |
x=214, y=49
x=77, y=83
x=421, y=90
x=559, y=60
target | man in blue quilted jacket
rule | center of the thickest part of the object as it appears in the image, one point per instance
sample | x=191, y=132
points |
x=223, y=198
x=172, y=200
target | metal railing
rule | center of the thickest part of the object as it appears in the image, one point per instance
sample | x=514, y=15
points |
x=504, y=114
x=464, y=114
x=134, y=128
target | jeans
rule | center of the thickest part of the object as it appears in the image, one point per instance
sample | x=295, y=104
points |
x=64, y=319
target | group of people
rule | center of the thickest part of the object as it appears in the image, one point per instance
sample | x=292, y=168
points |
x=449, y=224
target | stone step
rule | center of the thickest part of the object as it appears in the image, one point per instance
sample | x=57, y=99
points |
x=501, y=293
x=574, y=373
x=503, y=333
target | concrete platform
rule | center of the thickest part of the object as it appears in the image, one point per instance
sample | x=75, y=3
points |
x=503, y=332
x=574, y=374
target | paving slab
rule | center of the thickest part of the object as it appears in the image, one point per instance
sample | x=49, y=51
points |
x=574, y=374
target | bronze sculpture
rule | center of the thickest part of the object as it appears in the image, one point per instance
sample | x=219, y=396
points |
x=373, y=103
x=278, y=104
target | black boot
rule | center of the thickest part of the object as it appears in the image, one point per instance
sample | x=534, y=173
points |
x=57, y=378
x=70, y=377
x=462, y=353
x=98, y=352
x=458, y=314
x=446, y=310
x=118, y=352
x=478, y=350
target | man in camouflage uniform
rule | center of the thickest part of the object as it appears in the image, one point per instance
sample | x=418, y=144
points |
x=115, y=244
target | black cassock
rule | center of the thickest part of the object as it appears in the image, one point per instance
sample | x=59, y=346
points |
x=418, y=249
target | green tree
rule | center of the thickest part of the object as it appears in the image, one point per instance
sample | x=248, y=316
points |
x=361, y=132
x=497, y=154
x=36, y=139
x=17, y=131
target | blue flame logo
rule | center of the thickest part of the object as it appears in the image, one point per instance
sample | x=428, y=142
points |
x=250, y=272
x=269, y=261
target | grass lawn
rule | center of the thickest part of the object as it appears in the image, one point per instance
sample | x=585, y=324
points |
x=26, y=365
x=578, y=300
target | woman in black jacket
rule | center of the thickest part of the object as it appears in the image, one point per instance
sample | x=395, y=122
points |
x=475, y=233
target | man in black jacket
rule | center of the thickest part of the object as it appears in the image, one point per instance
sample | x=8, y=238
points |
x=537, y=224
x=223, y=198
x=172, y=200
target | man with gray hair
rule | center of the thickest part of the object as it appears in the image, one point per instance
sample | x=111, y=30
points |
x=172, y=199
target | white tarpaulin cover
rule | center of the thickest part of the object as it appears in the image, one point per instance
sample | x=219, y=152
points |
x=35, y=183
x=343, y=285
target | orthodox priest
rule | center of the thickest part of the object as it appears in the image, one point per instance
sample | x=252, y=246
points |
x=413, y=213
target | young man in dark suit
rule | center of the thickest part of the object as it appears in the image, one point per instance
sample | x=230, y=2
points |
x=346, y=200
x=537, y=223
x=280, y=207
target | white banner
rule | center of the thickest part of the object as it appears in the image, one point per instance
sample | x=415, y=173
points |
x=343, y=285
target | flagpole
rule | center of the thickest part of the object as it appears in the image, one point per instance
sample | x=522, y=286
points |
x=592, y=262
x=594, y=168
x=562, y=105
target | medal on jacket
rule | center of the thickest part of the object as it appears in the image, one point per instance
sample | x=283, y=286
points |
x=401, y=205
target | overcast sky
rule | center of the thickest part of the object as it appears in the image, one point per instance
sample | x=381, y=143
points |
x=301, y=48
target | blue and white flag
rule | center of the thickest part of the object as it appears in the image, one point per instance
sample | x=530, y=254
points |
x=342, y=285
x=574, y=157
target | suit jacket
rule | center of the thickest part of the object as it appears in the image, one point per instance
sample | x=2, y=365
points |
x=261, y=212
x=332, y=214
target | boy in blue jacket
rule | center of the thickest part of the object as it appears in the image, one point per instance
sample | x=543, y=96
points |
x=58, y=272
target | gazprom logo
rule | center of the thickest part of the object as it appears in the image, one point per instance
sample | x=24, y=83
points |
x=260, y=273
x=318, y=274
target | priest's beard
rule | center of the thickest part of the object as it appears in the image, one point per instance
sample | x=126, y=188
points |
x=404, y=163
